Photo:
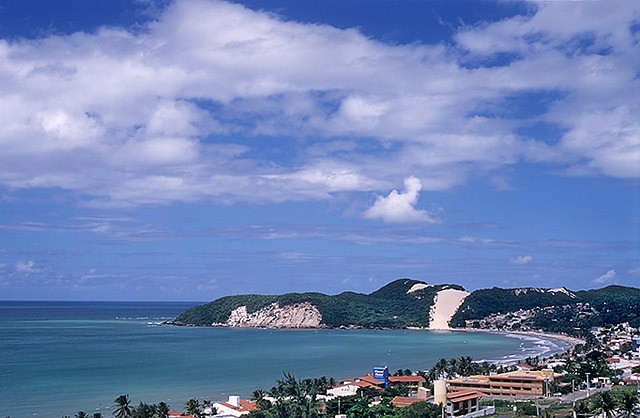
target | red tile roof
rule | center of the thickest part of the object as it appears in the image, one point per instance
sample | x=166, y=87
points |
x=464, y=395
x=526, y=366
x=366, y=385
x=248, y=406
x=244, y=406
x=402, y=401
x=369, y=379
x=409, y=379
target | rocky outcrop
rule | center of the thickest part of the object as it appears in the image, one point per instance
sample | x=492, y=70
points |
x=297, y=315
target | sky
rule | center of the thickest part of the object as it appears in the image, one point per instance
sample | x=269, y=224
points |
x=191, y=149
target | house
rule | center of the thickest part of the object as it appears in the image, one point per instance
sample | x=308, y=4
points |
x=421, y=396
x=523, y=366
x=233, y=408
x=464, y=403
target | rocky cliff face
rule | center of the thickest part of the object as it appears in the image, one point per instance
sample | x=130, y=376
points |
x=298, y=315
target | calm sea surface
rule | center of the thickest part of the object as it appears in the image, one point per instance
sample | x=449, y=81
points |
x=57, y=358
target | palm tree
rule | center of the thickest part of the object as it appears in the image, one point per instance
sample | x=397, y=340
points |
x=81, y=414
x=629, y=403
x=97, y=415
x=439, y=369
x=162, y=410
x=192, y=407
x=465, y=367
x=454, y=367
x=123, y=407
x=605, y=403
x=581, y=408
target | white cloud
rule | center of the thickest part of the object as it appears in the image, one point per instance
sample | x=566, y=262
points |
x=520, y=260
x=27, y=267
x=606, y=278
x=400, y=207
x=152, y=117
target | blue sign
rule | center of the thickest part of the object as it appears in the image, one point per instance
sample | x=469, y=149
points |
x=381, y=374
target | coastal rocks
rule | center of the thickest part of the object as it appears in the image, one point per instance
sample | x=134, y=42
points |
x=297, y=315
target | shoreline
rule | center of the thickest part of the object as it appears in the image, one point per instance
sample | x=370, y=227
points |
x=571, y=341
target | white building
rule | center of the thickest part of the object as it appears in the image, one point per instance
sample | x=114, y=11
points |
x=233, y=408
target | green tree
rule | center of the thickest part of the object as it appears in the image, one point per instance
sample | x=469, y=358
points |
x=582, y=409
x=97, y=415
x=628, y=403
x=123, y=407
x=144, y=410
x=439, y=370
x=81, y=414
x=192, y=407
x=162, y=410
x=605, y=403
x=258, y=396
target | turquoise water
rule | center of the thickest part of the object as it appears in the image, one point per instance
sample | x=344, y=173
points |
x=62, y=357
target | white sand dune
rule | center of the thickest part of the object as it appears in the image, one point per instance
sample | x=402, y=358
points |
x=445, y=306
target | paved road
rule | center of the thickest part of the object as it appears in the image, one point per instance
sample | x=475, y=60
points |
x=580, y=394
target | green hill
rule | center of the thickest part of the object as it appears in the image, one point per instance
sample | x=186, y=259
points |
x=573, y=312
x=388, y=307
x=393, y=306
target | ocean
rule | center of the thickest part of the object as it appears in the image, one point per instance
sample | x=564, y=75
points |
x=58, y=358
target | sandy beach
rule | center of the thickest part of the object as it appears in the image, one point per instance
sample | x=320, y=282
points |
x=445, y=305
x=448, y=301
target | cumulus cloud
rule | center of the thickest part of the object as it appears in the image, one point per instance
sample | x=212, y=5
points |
x=520, y=260
x=400, y=207
x=169, y=112
x=606, y=278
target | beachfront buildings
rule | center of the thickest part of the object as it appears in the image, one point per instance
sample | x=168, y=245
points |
x=521, y=383
x=349, y=387
x=461, y=404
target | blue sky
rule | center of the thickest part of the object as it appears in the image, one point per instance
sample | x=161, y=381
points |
x=186, y=150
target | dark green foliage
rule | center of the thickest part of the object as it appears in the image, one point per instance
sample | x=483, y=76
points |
x=609, y=305
x=294, y=399
x=628, y=403
x=484, y=302
x=392, y=307
x=527, y=409
x=123, y=407
x=192, y=407
x=419, y=410
x=144, y=410
x=604, y=403
x=219, y=310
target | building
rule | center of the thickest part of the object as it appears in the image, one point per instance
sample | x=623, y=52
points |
x=458, y=404
x=635, y=347
x=233, y=408
x=412, y=382
x=176, y=414
x=521, y=383
x=465, y=404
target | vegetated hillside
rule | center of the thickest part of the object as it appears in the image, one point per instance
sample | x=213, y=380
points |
x=575, y=312
x=485, y=302
x=388, y=307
